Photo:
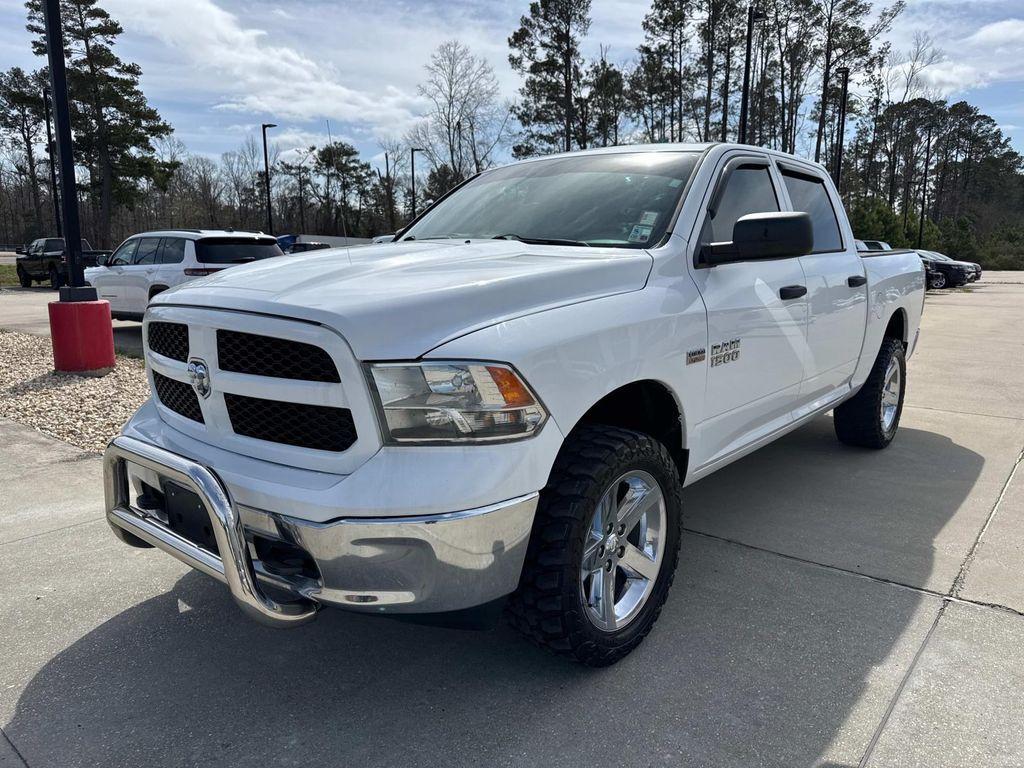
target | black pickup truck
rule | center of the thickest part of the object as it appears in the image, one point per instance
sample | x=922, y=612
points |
x=44, y=259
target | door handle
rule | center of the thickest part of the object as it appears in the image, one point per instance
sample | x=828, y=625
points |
x=792, y=292
x=856, y=281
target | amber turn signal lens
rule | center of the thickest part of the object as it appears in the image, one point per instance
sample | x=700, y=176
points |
x=511, y=388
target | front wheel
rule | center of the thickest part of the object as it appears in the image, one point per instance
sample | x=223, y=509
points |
x=938, y=280
x=604, y=547
x=23, y=277
x=870, y=418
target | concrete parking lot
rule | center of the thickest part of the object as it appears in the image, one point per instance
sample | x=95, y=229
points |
x=834, y=607
x=24, y=309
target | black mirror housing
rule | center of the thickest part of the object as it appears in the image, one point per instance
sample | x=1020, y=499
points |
x=772, y=235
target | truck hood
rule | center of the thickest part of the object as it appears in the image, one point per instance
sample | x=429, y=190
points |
x=400, y=300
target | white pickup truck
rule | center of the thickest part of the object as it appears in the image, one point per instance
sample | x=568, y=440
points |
x=501, y=408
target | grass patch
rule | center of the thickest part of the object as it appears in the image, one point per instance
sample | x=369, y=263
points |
x=8, y=275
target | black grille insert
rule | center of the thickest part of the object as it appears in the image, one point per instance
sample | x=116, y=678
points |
x=169, y=340
x=178, y=396
x=269, y=356
x=305, y=426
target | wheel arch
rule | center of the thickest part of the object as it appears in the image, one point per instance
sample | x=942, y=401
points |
x=155, y=289
x=897, y=326
x=644, y=405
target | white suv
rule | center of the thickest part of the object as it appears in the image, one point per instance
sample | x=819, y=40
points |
x=151, y=262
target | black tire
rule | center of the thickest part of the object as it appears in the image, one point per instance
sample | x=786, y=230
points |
x=859, y=421
x=56, y=279
x=548, y=607
x=23, y=277
x=938, y=281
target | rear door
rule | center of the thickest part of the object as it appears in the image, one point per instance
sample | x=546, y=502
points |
x=138, y=275
x=757, y=317
x=837, y=290
x=170, y=269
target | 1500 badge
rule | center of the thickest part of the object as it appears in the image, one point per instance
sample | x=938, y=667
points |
x=726, y=352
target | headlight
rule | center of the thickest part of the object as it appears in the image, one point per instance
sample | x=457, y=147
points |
x=454, y=402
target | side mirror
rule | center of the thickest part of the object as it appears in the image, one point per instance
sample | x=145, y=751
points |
x=773, y=235
x=20, y=250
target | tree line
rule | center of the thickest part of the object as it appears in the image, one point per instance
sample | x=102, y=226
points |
x=906, y=151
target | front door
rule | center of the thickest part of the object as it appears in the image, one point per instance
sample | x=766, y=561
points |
x=138, y=275
x=757, y=318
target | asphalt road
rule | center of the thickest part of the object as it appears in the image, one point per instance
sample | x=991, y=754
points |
x=834, y=607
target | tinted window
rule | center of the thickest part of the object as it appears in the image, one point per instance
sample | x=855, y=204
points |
x=809, y=195
x=235, y=250
x=54, y=244
x=623, y=200
x=749, y=190
x=147, y=250
x=172, y=251
x=124, y=254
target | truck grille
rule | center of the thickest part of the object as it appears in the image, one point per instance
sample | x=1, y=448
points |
x=306, y=426
x=277, y=358
x=178, y=396
x=169, y=340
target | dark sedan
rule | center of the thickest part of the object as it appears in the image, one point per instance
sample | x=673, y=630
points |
x=944, y=272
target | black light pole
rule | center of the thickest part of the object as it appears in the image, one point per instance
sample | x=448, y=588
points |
x=62, y=124
x=752, y=16
x=924, y=188
x=266, y=176
x=53, y=163
x=843, y=72
x=412, y=158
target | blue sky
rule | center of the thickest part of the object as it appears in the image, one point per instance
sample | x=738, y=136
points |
x=216, y=69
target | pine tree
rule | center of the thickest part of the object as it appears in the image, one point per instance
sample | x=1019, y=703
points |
x=546, y=51
x=22, y=116
x=113, y=124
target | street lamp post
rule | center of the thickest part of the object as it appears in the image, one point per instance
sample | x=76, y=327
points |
x=844, y=73
x=53, y=161
x=412, y=160
x=266, y=176
x=752, y=16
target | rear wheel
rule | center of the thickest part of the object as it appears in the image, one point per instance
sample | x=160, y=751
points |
x=23, y=277
x=56, y=279
x=604, y=547
x=870, y=418
x=938, y=280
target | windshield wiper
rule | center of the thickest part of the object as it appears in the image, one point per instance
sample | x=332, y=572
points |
x=539, y=240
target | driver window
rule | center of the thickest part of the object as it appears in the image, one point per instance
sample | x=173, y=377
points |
x=123, y=255
x=146, y=253
x=748, y=190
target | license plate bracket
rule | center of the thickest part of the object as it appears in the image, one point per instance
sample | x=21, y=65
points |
x=187, y=516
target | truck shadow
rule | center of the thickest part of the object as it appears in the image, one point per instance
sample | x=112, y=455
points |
x=757, y=659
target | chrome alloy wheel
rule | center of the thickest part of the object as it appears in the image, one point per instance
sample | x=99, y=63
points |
x=890, y=395
x=624, y=550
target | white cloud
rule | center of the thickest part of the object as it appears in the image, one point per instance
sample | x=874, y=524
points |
x=252, y=74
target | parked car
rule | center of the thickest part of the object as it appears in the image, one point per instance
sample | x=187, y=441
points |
x=149, y=263
x=974, y=269
x=45, y=259
x=506, y=416
x=945, y=272
x=311, y=246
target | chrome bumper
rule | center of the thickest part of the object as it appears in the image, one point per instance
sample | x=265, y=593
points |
x=423, y=564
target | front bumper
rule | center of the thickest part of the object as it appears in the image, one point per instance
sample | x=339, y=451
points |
x=421, y=564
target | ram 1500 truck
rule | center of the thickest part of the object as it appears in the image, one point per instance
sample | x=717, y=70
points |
x=501, y=408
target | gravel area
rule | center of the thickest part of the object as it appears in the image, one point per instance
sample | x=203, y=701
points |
x=82, y=410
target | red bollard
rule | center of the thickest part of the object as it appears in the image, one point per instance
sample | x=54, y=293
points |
x=82, y=335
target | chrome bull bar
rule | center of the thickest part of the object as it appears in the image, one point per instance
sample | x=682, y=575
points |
x=234, y=567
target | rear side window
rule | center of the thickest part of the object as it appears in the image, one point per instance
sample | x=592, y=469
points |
x=809, y=195
x=748, y=190
x=54, y=244
x=147, y=251
x=172, y=251
x=235, y=250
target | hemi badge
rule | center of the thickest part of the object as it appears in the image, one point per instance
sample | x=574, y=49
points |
x=695, y=356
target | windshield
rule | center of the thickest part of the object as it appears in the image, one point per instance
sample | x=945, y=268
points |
x=939, y=256
x=623, y=200
x=235, y=250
